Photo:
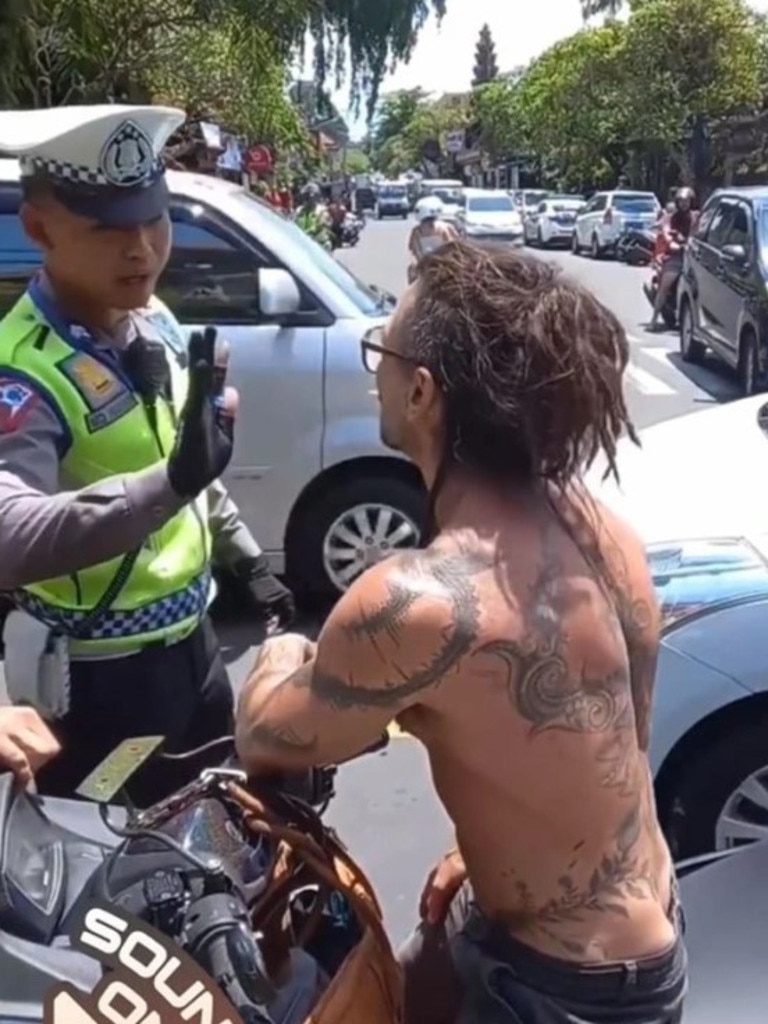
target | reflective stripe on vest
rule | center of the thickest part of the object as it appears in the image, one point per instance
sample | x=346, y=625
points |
x=166, y=593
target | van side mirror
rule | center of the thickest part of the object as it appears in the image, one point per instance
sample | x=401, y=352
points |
x=735, y=253
x=279, y=294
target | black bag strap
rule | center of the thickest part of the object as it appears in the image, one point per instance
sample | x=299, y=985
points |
x=97, y=614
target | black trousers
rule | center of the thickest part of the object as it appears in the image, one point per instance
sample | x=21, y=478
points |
x=468, y=973
x=181, y=692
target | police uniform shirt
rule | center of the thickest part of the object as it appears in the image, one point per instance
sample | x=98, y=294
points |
x=103, y=163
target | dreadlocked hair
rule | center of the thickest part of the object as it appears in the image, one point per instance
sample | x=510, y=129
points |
x=530, y=364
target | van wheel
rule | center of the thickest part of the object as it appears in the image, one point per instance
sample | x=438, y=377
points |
x=751, y=380
x=691, y=349
x=352, y=526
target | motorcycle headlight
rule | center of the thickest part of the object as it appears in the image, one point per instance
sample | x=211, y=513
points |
x=32, y=865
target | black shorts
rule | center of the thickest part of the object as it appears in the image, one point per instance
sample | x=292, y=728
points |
x=463, y=974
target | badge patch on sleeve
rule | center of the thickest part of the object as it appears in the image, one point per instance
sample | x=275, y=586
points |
x=17, y=400
x=95, y=382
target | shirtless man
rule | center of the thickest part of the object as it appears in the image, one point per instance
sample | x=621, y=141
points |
x=520, y=647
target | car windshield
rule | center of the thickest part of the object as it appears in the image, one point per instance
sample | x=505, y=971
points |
x=490, y=204
x=565, y=203
x=447, y=195
x=634, y=204
x=392, y=192
x=368, y=299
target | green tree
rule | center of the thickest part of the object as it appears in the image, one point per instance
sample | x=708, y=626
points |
x=589, y=8
x=571, y=107
x=408, y=121
x=357, y=161
x=486, y=68
x=687, y=60
x=361, y=40
x=494, y=109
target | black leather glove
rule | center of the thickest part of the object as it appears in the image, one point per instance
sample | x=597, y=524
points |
x=205, y=437
x=272, y=599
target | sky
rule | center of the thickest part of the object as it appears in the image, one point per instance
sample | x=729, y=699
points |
x=444, y=57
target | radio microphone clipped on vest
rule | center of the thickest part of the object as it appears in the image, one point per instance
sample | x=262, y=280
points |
x=145, y=364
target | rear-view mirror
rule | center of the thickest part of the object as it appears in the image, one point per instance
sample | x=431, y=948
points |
x=278, y=293
x=735, y=253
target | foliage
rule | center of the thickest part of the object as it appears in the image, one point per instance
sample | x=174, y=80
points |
x=357, y=162
x=407, y=120
x=571, y=107
x=494, y=107
x=54, y=51
x=691, y=58
x=486, y=68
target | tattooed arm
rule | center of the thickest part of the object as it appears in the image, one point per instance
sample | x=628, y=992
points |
x=395, y=635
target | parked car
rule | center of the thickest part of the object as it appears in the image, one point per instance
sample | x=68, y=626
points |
x=491, y=216
x=526, y=199
x=702, y=514
x=322, y=494
x=606, y=217
x=725, y=902
x=392, y=201
x=551, y=221
x=722, y=298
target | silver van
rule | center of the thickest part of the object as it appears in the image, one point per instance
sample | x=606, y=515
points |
x=322, y=494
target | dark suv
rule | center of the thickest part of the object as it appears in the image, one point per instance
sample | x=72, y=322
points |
x=723, y=296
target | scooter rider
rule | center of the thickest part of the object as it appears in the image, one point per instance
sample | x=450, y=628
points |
x=429, y=234
x=110, y=455
x=675, y=232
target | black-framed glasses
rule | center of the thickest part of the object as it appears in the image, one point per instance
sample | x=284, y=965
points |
x=372, y=353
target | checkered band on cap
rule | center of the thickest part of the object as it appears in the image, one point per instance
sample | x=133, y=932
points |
x=74, y=174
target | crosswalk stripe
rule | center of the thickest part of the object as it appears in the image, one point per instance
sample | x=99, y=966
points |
x=661, y=355
x=646, y=382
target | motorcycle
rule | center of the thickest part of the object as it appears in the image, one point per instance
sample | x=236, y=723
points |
x=194, y=867
x=635, y=247
x=651, y=288
x=351, y=229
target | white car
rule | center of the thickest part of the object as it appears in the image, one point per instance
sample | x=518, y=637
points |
x=490, y=215
x=607, y=215
x=697, y=491
x=551, y=221
x=313, y=480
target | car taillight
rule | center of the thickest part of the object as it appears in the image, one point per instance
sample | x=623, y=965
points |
x=608, y=217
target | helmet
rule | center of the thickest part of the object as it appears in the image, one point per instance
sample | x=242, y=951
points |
x=311, y=191
x=685, y=193
x=428, y=208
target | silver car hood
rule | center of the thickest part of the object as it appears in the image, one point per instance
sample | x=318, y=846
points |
x=694, y=577
x=726, y=912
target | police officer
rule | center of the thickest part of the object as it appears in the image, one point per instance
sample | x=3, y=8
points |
x=111, y=509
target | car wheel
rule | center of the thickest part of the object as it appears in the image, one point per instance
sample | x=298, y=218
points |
x=721, y=799
x=691, y=349
x=750, y=378
x=351, y=526
x=575, y=247
x=594, y=247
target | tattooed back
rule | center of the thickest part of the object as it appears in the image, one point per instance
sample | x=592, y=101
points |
x=527, y=659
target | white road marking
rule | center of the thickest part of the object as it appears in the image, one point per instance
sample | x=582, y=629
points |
x=646, y=382
x=661, y=355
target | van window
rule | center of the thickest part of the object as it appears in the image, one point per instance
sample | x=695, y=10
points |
x=19, y=258
x=209, y=275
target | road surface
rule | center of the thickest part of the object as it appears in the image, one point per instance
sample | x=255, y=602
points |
x=385, y=810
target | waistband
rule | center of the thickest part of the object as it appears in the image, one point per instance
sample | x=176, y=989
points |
x=118, y=632
x=614, y=979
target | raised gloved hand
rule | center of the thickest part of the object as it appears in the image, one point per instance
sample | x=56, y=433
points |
x=273, y=602
x=205, y=437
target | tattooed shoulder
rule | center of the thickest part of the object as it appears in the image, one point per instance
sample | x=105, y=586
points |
x=405, y=627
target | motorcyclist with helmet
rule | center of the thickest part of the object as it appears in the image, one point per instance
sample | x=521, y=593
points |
x=675, y=231
x=311, y=215
x=429, y=234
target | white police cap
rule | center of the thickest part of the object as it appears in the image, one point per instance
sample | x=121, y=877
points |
x=103, y=162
